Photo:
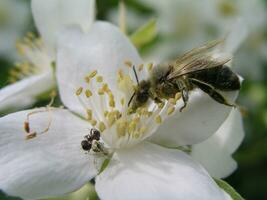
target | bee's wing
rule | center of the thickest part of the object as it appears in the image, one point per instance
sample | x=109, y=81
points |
x=196, y=60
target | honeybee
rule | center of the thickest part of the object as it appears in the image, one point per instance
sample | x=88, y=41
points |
x=195, y=69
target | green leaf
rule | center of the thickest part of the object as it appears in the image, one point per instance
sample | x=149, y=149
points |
x=228, y=189
x=144, y=34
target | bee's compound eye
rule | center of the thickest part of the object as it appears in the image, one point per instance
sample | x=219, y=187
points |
x=86, y=145
x=95, y=134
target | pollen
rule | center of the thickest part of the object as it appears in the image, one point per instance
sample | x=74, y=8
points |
x=128, y=63
x=79, y=91
x=93, y=122
x=101, y=126
x=105, y=87
x=93, y=74
x=122, y=128
x=111, y=119
x=120, y=75
x=88, y=93
x=100, y=91
x=140, y=67
x=89, y=113
x=158, y=119
x=172, y=101
x=170, y=110
x=112, y=103
x=122, y=101
x=106, y=113
x=150, y=66
x=99, y=79
x=178, y=95
x=161, y=105
x=31, y=136
x=132, y=127
x=87, y=79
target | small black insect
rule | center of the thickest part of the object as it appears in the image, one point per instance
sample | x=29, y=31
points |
x=89, y=139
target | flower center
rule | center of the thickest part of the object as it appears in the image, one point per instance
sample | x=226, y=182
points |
x=36, y=58
x=109, y=113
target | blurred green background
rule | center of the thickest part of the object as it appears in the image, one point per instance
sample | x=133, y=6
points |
x=250, y=179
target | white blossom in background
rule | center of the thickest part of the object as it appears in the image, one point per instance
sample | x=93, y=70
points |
x=14, y=18
x=184, y=24
x=35, y=73
x=95, y=82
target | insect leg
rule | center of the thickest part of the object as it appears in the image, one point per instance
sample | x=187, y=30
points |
x=212, y=92
x=185, y=93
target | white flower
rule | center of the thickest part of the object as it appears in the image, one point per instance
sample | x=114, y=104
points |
x=54, y=163
x=14, y=17
x=184, y=24
x=36, y=72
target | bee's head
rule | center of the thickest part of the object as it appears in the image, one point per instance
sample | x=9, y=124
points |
x=140, y=96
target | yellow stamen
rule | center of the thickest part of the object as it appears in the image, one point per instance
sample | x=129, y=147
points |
x=140, y=67
x=172, y=101
x=87, y=79
x=170, y=110
x=161, y=105
x=158, y=119
x=122, y=101
x=100, y=91
x=93, y=122
x=178, y=95
x=106, y=113
x=150, y=66
x=88, y=93
x=112, y=103
x=111, y=119
x=122, y=128
x=99, y=79
x=89, y=114
x=101, y=126
x=79, y=91
x=93, y=74
x=128, y=63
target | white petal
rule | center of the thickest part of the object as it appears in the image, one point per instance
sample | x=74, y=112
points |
x=215, y=153
x=51, y=164
x=51, y=15
x=149, y=171
x=104, y=49
x=198, y=121
x=23, y=93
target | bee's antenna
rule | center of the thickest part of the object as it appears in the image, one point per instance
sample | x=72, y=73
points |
x=131, y=99
x=136, y=77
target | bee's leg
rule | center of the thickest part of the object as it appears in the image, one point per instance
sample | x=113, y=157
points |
x=212, y=92
x=185, y=93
